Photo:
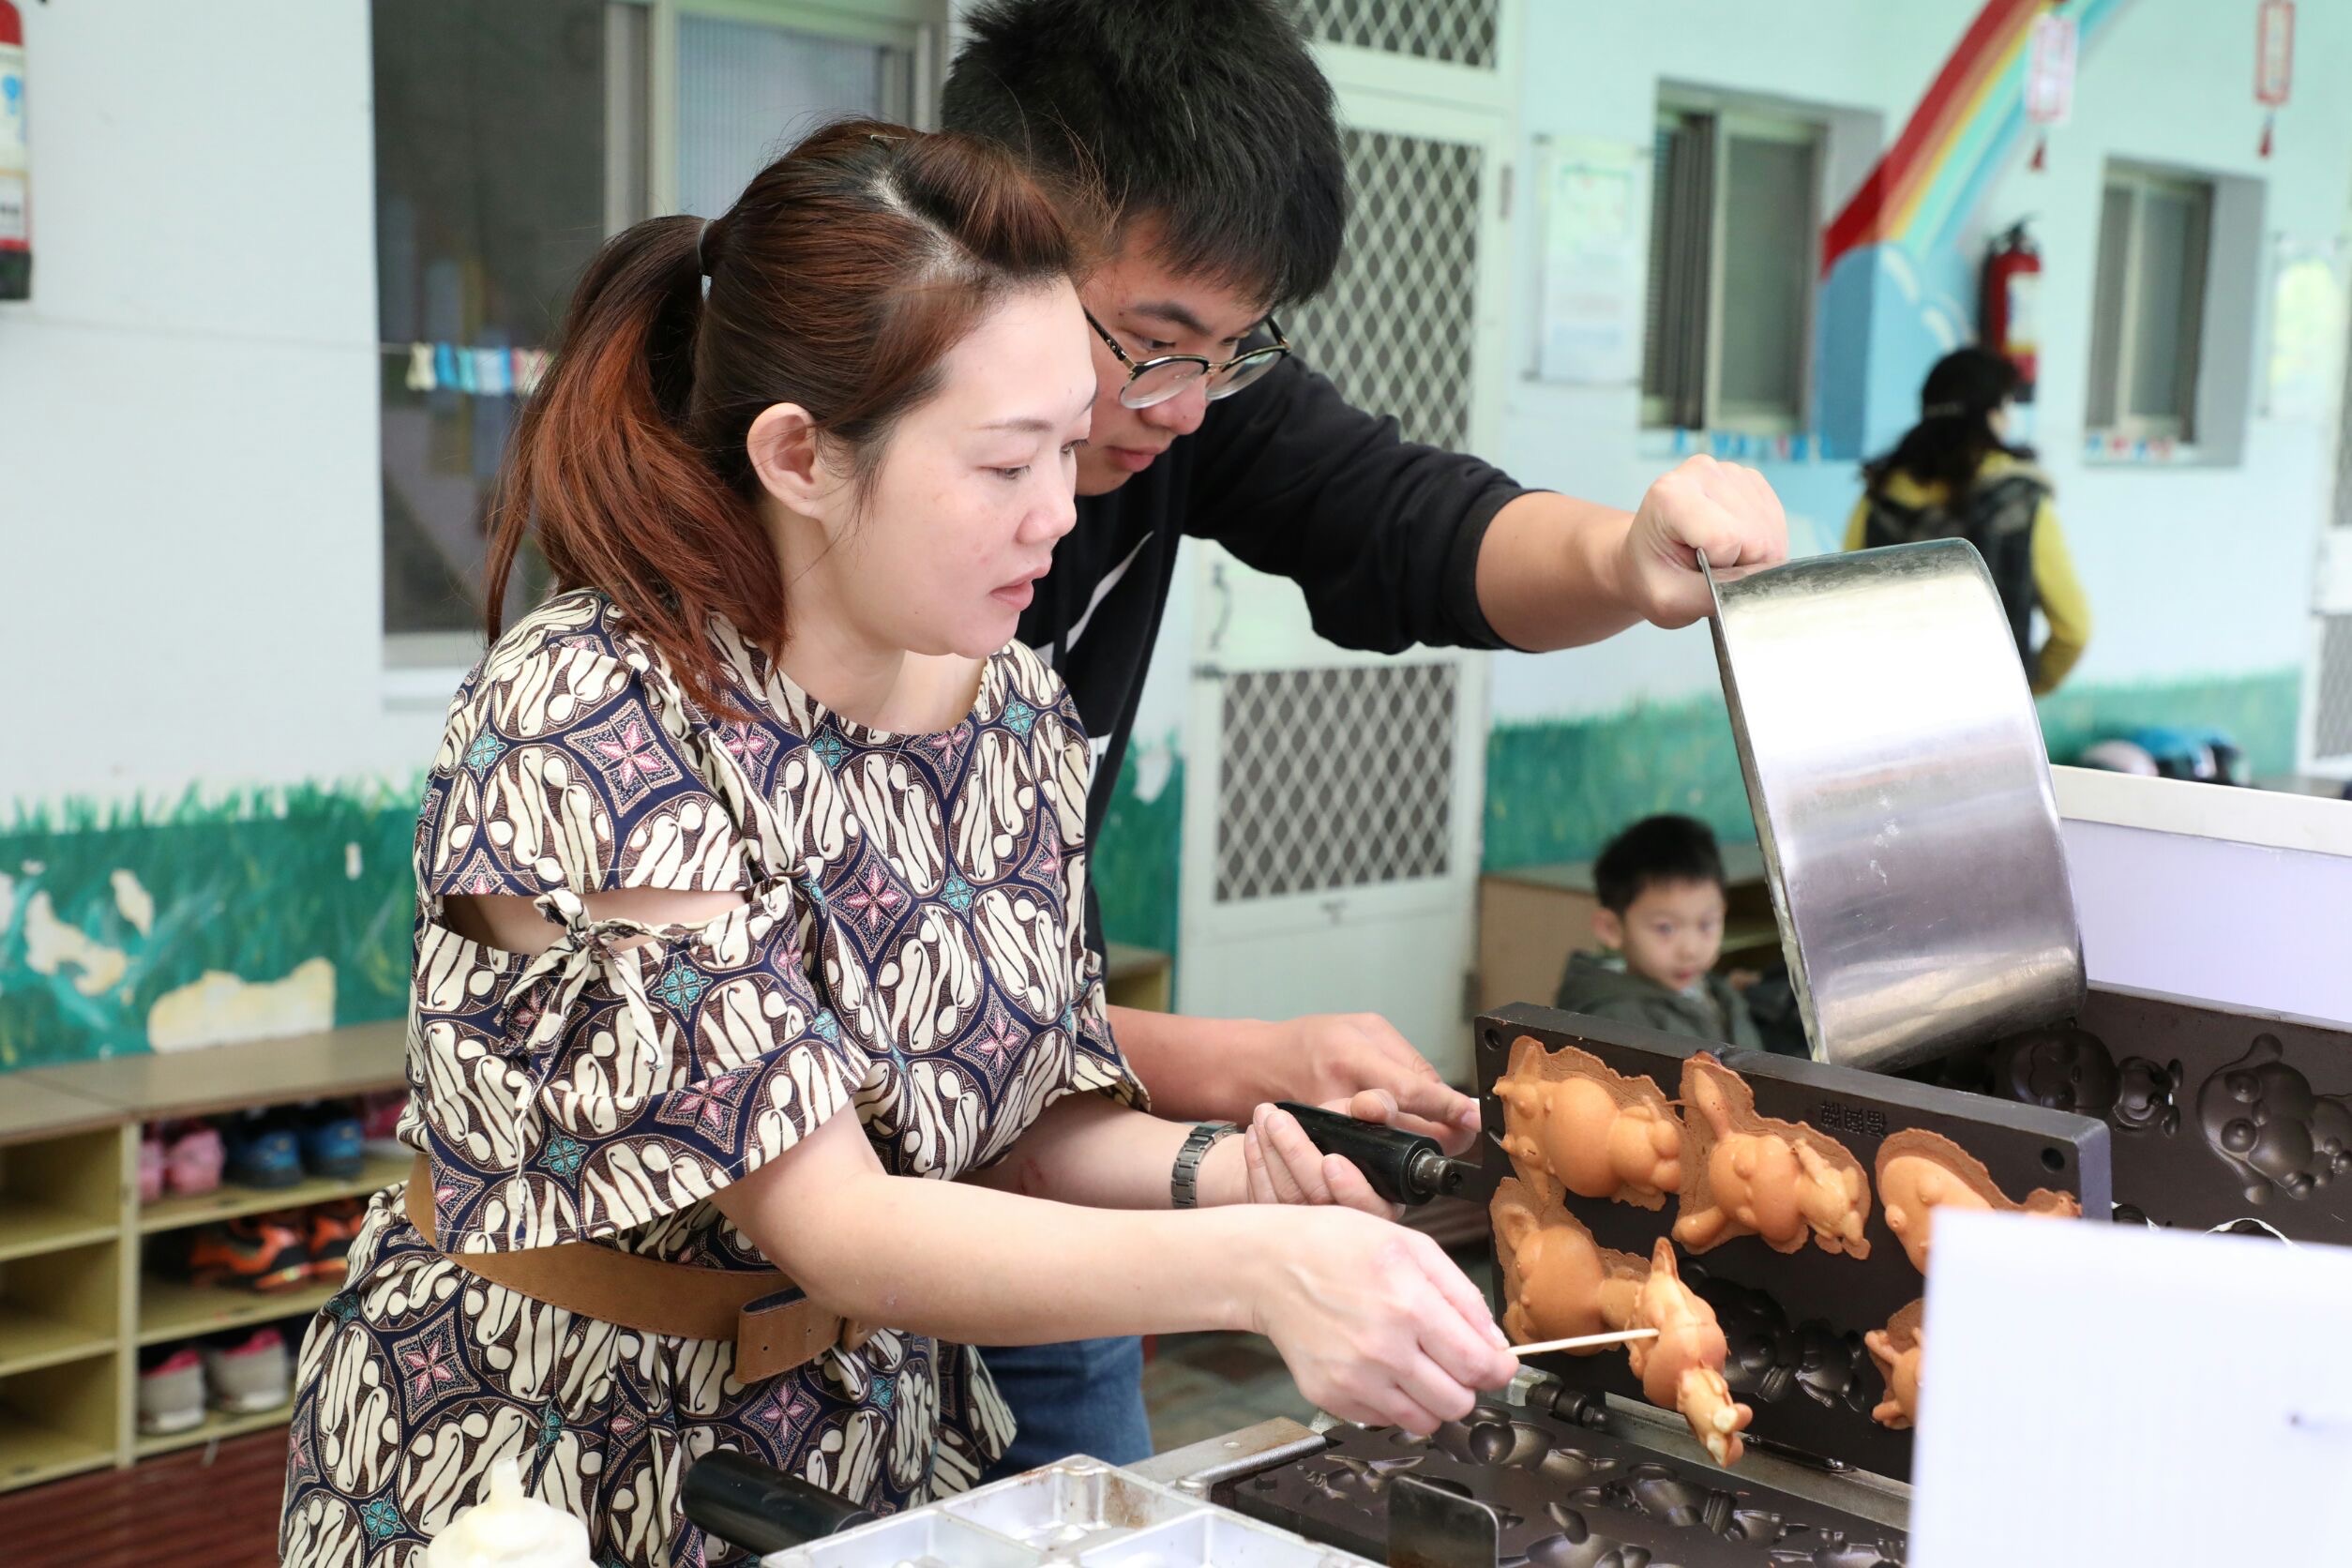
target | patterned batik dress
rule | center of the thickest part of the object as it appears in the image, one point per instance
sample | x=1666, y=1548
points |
x=910, y=952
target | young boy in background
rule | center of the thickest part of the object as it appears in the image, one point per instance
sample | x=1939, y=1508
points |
x=1660, y=919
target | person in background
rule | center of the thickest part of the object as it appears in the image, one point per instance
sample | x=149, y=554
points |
x=1661, y=921
x=1956, y=476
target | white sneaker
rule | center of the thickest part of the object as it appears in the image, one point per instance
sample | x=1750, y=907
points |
x=249, y=1374
x=172, y=1394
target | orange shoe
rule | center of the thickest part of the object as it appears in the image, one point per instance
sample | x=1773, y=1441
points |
x=329, y=1231
x=258, y=1252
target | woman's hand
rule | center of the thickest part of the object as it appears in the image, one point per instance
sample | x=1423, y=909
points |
x=1375, y=1322
x=1284, y=1167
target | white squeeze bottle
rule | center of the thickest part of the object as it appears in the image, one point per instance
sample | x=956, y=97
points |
x=510, y=1529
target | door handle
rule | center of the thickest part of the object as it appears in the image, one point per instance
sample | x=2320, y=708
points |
x=1225, y=606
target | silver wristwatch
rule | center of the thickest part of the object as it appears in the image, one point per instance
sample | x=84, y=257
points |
x=1184, y=1183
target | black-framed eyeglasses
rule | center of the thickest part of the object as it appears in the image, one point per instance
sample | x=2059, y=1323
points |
x=1157, y=380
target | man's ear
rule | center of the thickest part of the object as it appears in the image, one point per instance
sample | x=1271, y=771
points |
x=1610, y=926
x=790, y=461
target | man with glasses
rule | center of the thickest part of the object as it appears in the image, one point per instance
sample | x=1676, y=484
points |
x=1207, y=131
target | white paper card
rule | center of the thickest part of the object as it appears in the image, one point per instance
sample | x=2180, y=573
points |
x=2103, y=1394
x=1592, y=223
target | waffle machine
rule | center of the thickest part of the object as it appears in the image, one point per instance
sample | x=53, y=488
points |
x=1941, y=983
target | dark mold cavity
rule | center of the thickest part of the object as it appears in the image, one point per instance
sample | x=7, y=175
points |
x=2262, y=1117
x=2072, y=1069
x=1770, y=1358
x=1567, y=1467
x=1559, y=1551
x=1490, y=1443
x=2148, y=1100
x=1837, y=1551
x=2064, y=1068
x=1571, y=1523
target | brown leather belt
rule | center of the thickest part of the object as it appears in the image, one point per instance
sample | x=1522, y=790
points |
x=775, y=1325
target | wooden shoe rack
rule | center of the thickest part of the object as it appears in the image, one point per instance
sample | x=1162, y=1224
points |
x=75, y=1305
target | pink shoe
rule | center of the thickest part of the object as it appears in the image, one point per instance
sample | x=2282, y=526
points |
x=150, y=1165
x=170, y=1389
x=380, y=1122
x=193, y=1155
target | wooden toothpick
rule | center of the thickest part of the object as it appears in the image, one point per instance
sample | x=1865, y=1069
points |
x=1583, y=1341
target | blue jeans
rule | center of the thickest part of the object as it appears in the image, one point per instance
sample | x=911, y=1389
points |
x=1082, y=1397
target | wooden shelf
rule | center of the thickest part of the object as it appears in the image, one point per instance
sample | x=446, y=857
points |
x=175, y=1309
x=74, y=1294
x=33, y=1109
x=31, y=1453
x=216, y=1426
x=228, y=1200
x=1137, y=977
x=156, y=1085
x=29, y=1340
x=29, y=1226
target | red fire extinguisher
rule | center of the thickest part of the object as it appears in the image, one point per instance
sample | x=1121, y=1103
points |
x=16, y=211
x=2013, y=288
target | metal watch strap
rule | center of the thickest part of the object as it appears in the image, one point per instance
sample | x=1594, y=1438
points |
x=1183, y=1182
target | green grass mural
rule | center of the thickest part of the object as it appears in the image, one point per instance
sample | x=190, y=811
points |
x=1136, y=866
x=106, y=911
x=103, y=911
x=1559, y=790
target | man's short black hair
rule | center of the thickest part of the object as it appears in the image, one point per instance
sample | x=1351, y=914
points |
x=1207, y=115
x=1653, y=851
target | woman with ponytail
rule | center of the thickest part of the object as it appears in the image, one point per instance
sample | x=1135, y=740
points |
x=758, y=1063
x=1956, y=475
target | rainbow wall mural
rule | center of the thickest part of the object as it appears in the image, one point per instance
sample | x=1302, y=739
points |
x=1898, y=262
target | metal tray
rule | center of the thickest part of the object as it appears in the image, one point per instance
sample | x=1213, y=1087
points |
x=1081, y=1513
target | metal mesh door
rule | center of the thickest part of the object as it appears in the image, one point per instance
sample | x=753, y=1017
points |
x=1342, y=777
x=1461, y=31
x=1335, y=777
x=1396, y=326
x=2331, y=719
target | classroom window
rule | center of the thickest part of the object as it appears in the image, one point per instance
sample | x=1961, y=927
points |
x=1734, y=213
x=509, y=142
x=2147, y=316
x=512, y=140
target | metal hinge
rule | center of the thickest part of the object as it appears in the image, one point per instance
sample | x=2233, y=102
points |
x=1503, y=181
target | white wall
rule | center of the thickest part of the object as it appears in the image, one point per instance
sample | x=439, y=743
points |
x=2198, y=570
x=188, y=485
x=2190, y=571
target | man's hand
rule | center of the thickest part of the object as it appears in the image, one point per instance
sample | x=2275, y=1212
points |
x=1332, y=1056
x=1723, y=509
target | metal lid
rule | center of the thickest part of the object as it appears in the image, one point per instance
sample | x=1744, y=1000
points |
x=1902, y=795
